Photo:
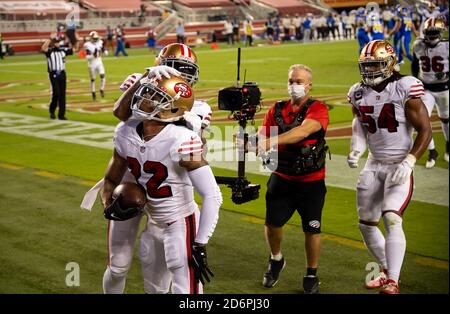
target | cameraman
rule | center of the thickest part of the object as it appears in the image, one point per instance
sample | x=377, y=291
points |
x=296, y=186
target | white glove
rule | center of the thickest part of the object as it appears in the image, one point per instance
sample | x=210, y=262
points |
x=193, y=121
x=353, y=158
x=162, y=70
x=404, y=170
x=105, y=52
x=130, y=80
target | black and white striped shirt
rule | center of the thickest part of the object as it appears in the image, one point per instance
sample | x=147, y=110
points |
x=56, y=58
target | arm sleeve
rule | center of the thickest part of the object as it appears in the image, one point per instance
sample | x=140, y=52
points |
x=359, y=137
x=415, y=62
x=205, y=184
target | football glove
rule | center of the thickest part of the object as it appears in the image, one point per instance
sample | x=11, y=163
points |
x=115, y=212
x=162, y=70
x=200, y=263
x=130, y=80
x=353, y=158
x=404, y=170
x=193, y=121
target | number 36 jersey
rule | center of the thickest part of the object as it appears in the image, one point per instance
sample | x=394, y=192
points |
x=433, y=61
x=155, y=165
x=382, y=115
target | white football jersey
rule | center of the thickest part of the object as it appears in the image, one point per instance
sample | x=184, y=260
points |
x=389, y=134
x=154, y=164
x=433, y=61
x=203, y=110
x=95, y=49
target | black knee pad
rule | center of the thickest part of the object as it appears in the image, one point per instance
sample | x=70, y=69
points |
x=444, y=120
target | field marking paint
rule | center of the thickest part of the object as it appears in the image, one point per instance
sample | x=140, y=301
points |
x=429, y=261
x=429, y=183
x=10, y=166
x=47, y=174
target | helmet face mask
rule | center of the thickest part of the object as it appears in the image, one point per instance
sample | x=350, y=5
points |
x=189, y=71
x=163, y=100
x=377, y=62
x=373, y=72
x=433, y=29
x=181, y=58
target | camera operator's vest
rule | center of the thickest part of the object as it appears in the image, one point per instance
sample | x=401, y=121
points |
x=300, y=160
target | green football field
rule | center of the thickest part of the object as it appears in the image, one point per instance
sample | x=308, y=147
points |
x=47, y=166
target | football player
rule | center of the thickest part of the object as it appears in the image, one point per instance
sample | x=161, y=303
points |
x=124, y=233
x=173, y=60
x=166, y=159
x=387, y=108
x=94, y=50
x=430, y=65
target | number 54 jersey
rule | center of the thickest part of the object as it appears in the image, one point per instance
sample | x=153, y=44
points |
x=389, y=133
x=155, y=165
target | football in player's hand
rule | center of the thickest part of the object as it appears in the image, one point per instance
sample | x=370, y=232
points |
x=131, y=195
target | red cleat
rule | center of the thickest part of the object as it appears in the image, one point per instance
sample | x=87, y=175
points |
x=378, y=282
x=390, y=287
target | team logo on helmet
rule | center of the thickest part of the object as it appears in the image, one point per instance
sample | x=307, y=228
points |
x=183, y=89
x=389, y=49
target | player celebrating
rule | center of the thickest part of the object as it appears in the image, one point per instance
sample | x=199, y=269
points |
x=94, y=49
x=430, y=65
x=124, y=233
x=166, y=160
x=388, y=108
x=173, y=60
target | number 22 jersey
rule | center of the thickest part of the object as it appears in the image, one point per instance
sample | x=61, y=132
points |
x=155, y=166
x=389, y=133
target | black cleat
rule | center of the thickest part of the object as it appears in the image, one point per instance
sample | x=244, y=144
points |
x=311, y=285
x=432, y=157
x=52, y=116
x=93, y=96
x=273, y=272
x=62, y=118
x=102, y=93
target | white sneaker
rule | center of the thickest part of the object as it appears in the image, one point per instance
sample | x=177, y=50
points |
x=446, y=157
x=430, y=164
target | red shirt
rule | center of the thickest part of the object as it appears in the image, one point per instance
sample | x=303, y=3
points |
x=317, y=111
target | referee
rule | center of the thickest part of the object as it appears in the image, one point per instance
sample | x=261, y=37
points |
x=57, y=74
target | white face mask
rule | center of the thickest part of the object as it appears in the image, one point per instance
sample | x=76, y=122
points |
x=296, y=91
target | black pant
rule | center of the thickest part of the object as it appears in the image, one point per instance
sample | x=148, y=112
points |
x=58, y=81
x=284, y=197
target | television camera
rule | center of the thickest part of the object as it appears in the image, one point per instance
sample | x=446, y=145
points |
x=243, y=102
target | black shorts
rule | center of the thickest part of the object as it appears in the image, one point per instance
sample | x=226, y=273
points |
x=284, y=197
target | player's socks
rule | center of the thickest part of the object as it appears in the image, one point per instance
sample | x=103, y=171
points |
x=431, y=145
x=113, y=284
x=395, y=244
x=102, y=93
x=93, y=86
x=311, y=271
x=375, y=242
x=102, y=83
x=432, y=157
x=276, y=257
x=94, y=97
